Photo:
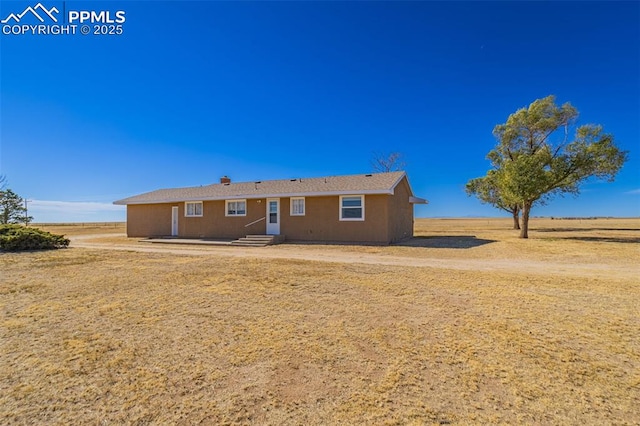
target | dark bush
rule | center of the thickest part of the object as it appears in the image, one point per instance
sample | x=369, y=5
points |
x=18, y=238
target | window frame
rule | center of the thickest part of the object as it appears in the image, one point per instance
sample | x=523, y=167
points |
x=226, y=208
x=304, y=206
x=195, y=203
x=341, y=208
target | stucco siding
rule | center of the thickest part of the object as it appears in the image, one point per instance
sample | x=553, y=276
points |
x=400, y=213
x=148, y=220
x=215, y=224
x=321, y=221
x=145, y=220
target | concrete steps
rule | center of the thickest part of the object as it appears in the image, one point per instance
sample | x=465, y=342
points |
x=258, y=240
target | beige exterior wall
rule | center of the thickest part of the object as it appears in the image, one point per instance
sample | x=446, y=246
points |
x=387, y=219
x=401, y=213
x=322, y=221
x=149, y=220
x=146, y=220
x=214, y=223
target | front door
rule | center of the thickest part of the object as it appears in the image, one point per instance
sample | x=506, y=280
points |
x=273, y=216
x=174, y=221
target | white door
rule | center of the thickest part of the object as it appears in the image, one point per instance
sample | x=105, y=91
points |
x=174, y=221
x=273, y=216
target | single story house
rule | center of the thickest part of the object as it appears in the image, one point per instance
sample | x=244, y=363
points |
x=373, y=208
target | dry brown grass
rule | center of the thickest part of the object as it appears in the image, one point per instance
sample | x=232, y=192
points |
x=92, y=336
x=72, y=229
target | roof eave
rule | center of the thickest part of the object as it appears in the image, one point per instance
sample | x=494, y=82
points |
x=402, y=176
x=417, y=200
x=126, y=202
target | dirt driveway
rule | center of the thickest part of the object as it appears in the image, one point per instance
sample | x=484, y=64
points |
x=558, y=266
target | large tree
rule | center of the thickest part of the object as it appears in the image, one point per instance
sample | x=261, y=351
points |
x=535, y=157
x=12, y=208
x=487, y=191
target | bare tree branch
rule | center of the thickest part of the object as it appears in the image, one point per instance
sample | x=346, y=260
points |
x=393, y=162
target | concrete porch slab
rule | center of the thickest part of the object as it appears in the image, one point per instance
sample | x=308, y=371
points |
x=192, y=241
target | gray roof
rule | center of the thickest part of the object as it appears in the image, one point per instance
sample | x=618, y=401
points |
x=376, y=183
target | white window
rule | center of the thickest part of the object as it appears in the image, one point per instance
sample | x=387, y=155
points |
x=352, y=207
x=236, y=208
x=297, y=206
x=193, y=209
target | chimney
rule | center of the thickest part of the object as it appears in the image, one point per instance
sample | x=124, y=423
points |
x=225, y=180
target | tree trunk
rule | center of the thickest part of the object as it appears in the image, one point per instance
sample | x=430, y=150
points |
x=516, y=218
x=524, y=231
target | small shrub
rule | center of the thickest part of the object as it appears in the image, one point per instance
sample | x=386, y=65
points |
x=18, y=238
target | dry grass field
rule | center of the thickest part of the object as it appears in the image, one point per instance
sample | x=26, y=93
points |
x=465, y=324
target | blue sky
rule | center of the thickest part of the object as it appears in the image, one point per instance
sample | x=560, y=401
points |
x=191, y=91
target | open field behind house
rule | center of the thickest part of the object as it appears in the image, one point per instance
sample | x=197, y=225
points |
x=464, y=324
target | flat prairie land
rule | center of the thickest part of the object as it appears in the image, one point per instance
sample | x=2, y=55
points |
x=464, y=324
